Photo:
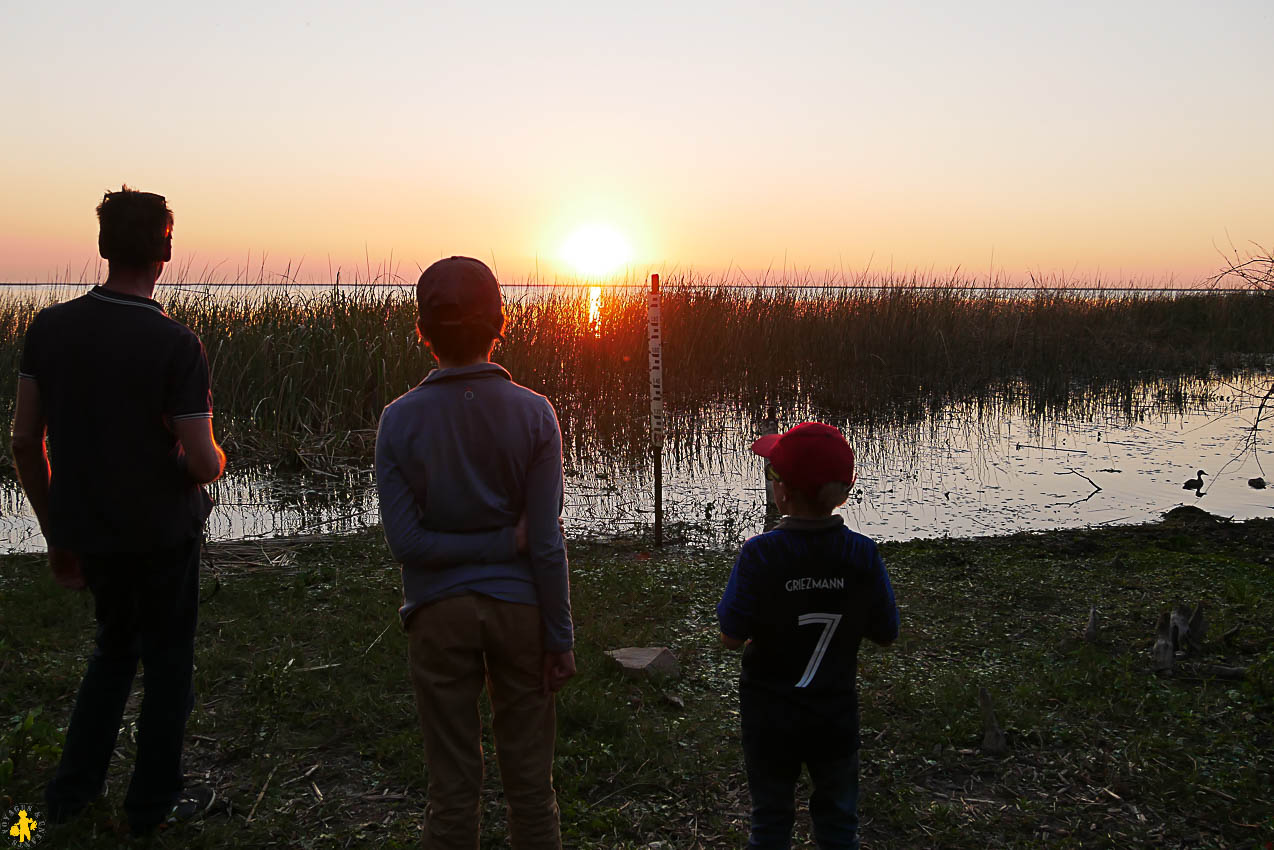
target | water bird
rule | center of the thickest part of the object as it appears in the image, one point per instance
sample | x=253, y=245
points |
x=1194, y=483
x=1256, y=483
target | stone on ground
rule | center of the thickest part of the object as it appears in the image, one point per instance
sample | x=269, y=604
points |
x=646, y=661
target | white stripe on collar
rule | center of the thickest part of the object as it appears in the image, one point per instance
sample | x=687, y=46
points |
x=125, y=301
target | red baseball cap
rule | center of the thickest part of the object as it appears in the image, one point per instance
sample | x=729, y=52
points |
x=808, y=455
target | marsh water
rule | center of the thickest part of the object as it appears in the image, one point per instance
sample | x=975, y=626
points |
x=961, y=470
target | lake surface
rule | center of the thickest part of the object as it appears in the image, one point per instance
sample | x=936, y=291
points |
x=966, y=470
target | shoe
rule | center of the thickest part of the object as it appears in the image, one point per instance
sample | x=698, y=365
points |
x=193, y=804
x=60, y=813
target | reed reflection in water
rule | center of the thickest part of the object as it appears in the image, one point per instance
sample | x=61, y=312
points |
x=982, y=467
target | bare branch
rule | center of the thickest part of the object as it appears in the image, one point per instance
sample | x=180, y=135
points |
x=1255, y=270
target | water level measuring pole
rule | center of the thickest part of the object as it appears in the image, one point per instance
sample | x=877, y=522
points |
x=769, y=426
x=655, y=337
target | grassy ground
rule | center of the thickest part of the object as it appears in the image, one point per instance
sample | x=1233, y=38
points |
x=305, y=726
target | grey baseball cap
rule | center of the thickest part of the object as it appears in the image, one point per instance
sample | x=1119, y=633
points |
x=460, y=291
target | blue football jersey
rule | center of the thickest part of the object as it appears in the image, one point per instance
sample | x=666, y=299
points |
x=806, y=594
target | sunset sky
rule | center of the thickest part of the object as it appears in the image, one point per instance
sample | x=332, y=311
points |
x=1128, y=140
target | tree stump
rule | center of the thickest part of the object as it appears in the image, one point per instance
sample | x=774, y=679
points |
x=1182, y=631
x=1180, y=628
x=1162, y=653
x=994, y=740
x=1092, y=631
x=1198, y=627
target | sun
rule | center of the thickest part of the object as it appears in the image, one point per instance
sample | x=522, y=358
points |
x=597, y=250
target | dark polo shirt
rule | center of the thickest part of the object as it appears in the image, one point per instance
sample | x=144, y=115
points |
x=114, y=371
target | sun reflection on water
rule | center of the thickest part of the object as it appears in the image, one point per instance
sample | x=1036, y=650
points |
x=595, y=310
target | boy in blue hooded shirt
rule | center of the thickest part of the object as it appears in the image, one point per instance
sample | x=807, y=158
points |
x=802, y=597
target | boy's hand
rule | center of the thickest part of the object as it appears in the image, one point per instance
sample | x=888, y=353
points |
x=519, y=533
x=559, y=667
x=66, y=568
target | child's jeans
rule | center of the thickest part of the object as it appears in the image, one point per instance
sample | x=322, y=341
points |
x=778, y=737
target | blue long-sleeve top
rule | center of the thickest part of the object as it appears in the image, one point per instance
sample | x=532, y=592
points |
x=459, y=458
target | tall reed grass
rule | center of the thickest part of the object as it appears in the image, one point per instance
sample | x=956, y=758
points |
x=300, y=377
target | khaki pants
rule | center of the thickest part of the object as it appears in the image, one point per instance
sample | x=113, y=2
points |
x=454, y=645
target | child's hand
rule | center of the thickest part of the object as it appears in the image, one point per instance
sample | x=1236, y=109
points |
x=66, y=568
x=519, y=534
x=559, y=667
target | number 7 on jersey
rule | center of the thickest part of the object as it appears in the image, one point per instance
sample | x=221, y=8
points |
x=829, y=622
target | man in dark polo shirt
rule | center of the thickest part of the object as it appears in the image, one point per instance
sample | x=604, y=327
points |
x=122, y=393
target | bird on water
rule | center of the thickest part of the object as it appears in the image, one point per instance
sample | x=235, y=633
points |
x=1256, y=483
x=1194, y=483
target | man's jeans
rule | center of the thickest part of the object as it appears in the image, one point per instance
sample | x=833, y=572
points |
x=454, y=645
x=778, y=737
x=146, y=605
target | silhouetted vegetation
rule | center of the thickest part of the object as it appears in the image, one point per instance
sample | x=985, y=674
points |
x=300, y=377
x=1253, y=269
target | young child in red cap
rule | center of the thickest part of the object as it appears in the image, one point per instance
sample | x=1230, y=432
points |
x=802, y=597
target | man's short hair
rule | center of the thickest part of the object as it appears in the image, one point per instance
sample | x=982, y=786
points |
x=458, y=342
x=134, y=228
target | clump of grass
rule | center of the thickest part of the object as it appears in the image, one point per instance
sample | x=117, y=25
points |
x=300, y=376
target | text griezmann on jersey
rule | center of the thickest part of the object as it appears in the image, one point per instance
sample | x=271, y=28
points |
x=815, y=584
